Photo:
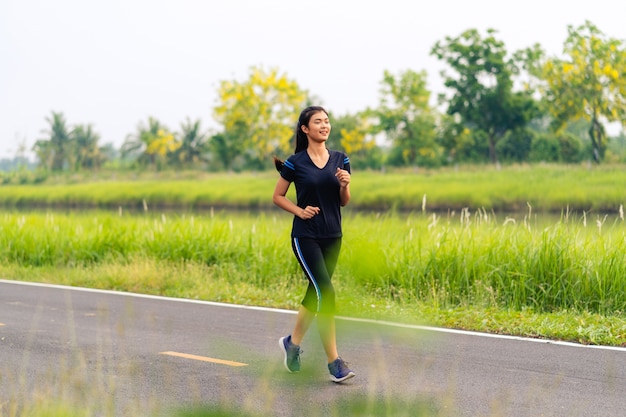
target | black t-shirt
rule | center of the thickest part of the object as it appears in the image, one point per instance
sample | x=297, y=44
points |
x=318, y=188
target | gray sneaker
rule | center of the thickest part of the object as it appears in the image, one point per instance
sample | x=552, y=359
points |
x=292, y=354
x=339, y=370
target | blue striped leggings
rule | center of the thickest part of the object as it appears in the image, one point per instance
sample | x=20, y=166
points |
x=318, y=258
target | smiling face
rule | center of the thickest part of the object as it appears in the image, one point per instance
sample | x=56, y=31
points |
x=318, y=128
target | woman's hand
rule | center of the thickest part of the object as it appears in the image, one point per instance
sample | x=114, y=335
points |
x=308, y=212
x=343, y=176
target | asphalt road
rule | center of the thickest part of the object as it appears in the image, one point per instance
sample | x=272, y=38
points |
x=125, y=354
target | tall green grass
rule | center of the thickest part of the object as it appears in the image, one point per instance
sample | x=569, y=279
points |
x=410, y=267
x=480, y=261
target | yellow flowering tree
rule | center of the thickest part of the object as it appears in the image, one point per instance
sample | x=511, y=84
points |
x=260, y=113
x=151, y=144
x=357, y=140
x=355, y=133
x=589, y=83
x=162, y=144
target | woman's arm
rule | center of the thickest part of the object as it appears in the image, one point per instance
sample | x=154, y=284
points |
x=344, y=186
x=280, y=191
x=344, y=195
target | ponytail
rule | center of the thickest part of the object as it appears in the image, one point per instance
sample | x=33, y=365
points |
x=278, y=163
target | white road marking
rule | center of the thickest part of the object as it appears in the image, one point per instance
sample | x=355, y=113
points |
x=278, y=310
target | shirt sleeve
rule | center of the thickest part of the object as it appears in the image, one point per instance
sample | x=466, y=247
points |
x=346, y=163
x=289, y=170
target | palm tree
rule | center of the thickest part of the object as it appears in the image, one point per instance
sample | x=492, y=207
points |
x=137, y=145
x=53, y=151
x=44, y=152
x=227, y=146
x=87, y=154
x=193, y=144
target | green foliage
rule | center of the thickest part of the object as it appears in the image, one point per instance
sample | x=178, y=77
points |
x=515, y=146
x=617, y=147
x=193, y=146
x=555, y=147
x=53, y=151
x=482, y=86
x=571, y=148
x=460, y=144
x=151, y=144
x=405, y=115
x=86, y=154
x=545, y=148
x=23, y=177
x=354, y=135
x=227, y=148
x=69, y=148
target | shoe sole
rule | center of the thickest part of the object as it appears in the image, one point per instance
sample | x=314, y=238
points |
x=281, y=343
x=335, y=379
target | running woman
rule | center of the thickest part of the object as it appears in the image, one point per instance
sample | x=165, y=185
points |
x=322, y=180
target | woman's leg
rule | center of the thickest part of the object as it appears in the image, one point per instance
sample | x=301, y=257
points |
x=326, y=322
x=326, y=326
x=303, y=322
x=318, y=260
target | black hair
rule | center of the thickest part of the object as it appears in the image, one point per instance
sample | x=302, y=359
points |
x=301, y=140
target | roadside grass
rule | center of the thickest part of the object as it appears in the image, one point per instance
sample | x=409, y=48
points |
x=564, y=279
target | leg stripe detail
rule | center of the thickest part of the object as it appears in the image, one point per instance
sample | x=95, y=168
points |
x=308, y=272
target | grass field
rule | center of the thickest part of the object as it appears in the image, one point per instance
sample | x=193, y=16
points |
x=545, y=188
x=562, y=279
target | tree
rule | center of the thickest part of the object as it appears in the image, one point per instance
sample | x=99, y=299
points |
x=54, y=150
x=164, y=143
x=482, y=87
x=44, y=153
x=260, y=113
x=353, y=133
x=458, y=142
x=227, y=146
x=617, y=146
x=193, y=144
x=140, y=145
x=516, y=144
x=85, y=150
x=406, y=117
x=589, y=83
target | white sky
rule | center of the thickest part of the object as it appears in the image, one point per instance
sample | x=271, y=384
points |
x=113, y=63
